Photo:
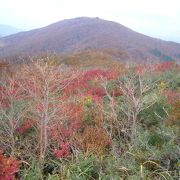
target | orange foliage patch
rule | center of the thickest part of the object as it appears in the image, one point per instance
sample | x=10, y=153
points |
x=9, y=166
x=95, y=140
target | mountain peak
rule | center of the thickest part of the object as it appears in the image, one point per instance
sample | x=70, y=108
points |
x=85, y=33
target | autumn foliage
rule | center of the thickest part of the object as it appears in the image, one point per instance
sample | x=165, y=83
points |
x=54, y=114
x=9, y=166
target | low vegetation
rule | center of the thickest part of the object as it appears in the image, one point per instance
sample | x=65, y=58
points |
x=61, y=122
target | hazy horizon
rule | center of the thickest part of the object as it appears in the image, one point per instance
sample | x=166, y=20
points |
x=159, y=19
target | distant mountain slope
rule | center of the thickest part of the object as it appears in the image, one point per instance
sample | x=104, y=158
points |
x=82, y=34
x=6, y=30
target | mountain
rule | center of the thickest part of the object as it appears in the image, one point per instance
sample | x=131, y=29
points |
x=6, y=30
x=74, y=36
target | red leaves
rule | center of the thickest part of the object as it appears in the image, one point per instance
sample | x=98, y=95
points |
x=163, y=66
x=28, y=124
x=63, y=130
x=9, y=166
x=160, y=67
x=89, y=83
x=141, y=69
x=11, y=90
x=59, y=132
x=64, y=150
x=172, y=96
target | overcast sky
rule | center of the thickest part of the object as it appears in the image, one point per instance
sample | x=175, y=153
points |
x=157, y=18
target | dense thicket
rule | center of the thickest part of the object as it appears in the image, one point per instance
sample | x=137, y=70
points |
x=59, y=122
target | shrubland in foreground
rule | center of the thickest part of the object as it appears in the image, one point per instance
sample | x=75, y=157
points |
x=68, y=123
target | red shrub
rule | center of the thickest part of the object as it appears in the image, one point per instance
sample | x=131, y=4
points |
x=64, y=150
x=65, y=130
x=9, y=166
x=28, y=124
x=172, y=96
x=163, y=66
x=11, y=90
x=141, y=69
x=89, y=83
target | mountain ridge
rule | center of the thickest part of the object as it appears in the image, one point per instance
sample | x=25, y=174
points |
x=81, y=34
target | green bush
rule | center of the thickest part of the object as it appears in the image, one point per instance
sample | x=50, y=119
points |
x=83, y=168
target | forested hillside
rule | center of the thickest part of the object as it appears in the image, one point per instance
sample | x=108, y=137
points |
x=79, y=35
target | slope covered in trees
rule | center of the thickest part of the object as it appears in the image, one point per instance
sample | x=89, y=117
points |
x=80, y=35
x=60, y=122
